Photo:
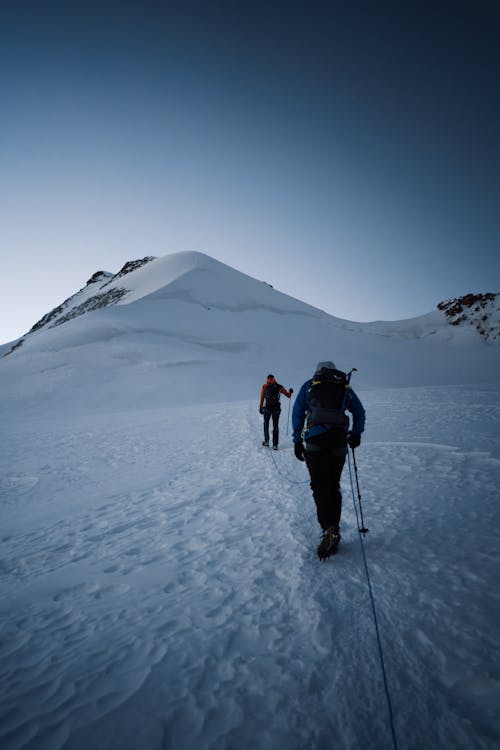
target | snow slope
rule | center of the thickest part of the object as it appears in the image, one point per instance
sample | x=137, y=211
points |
x=186, y=327
x=159, y=587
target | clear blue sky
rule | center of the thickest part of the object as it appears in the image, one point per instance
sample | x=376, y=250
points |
x=345, y=152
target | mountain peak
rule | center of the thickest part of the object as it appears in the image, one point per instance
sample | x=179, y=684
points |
x=191, y=275
x=172, y=291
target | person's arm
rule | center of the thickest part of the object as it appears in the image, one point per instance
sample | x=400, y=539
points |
x=286, y=393
x=355, y=406
x=262, y=396
x=299, y=414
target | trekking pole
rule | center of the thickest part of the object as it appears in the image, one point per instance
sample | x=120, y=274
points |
x=288, y=420
x=363, y=528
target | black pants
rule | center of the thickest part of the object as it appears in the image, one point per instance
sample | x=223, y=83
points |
x=325, y=468
x=275, y=414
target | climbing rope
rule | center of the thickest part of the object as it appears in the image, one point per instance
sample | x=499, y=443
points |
x=291, y=481
x=361, y=529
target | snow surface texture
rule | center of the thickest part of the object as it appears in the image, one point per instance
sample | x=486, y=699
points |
x=159, y=585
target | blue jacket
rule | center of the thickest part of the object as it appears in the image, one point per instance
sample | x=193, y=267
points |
x=302, y=406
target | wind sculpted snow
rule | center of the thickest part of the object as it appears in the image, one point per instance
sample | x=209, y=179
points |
x=160, y=587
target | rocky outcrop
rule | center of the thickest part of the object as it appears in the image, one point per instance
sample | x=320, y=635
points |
x=131, y=265
x=99, y=276
x=57, y=316
x=72, y=307
x=13, y=348
x=479, y=310
x=49, y=317
x=93, y=303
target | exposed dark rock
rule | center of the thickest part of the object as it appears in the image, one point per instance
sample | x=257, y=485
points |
x=103, y=299
x=99, y=276
x=455, y=306
x=48, y=317
x=56, y=316
x=13, y=348
x=131, y=265
x=478, y=310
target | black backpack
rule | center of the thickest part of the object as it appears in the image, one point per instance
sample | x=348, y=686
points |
x=273, y=397
x=327, y=396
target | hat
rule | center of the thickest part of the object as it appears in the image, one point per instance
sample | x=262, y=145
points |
x=328, y=365
x=270, y=376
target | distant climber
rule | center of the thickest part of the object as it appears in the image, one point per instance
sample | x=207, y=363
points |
x=270, y=406
x=321, y=403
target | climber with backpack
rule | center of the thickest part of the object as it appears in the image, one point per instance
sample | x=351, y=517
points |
x=270, y=406
x=321, y=404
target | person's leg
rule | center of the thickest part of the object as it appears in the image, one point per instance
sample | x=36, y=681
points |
x=318, y=463
x=276, y=431
x=336, y=464
x=267, y=417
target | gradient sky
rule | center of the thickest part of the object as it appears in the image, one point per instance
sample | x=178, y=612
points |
x=346, y=152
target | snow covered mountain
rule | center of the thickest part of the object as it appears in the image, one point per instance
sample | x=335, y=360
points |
x=220, y=283
x=159, y=583
x=191, y=276
x=161, y=318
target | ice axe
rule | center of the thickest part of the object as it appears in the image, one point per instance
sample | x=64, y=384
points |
x=289, y=404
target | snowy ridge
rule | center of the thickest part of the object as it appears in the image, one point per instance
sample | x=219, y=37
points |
x=408, y=329
x=169, y=323
x=192, y=275
x=76, y=301
x=197, y=278
x=91, y=297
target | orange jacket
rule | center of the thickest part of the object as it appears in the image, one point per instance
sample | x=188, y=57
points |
x=286, y=393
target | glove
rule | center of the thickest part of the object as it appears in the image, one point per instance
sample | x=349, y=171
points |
x=261, y=410
x=299, y=451
x=290, y=390
x=353, y=439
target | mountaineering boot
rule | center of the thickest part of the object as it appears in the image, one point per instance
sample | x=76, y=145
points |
x=329, y=542
x=265, y=442
x=275, y=447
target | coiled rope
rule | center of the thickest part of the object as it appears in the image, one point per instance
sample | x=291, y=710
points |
x=374, y=612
